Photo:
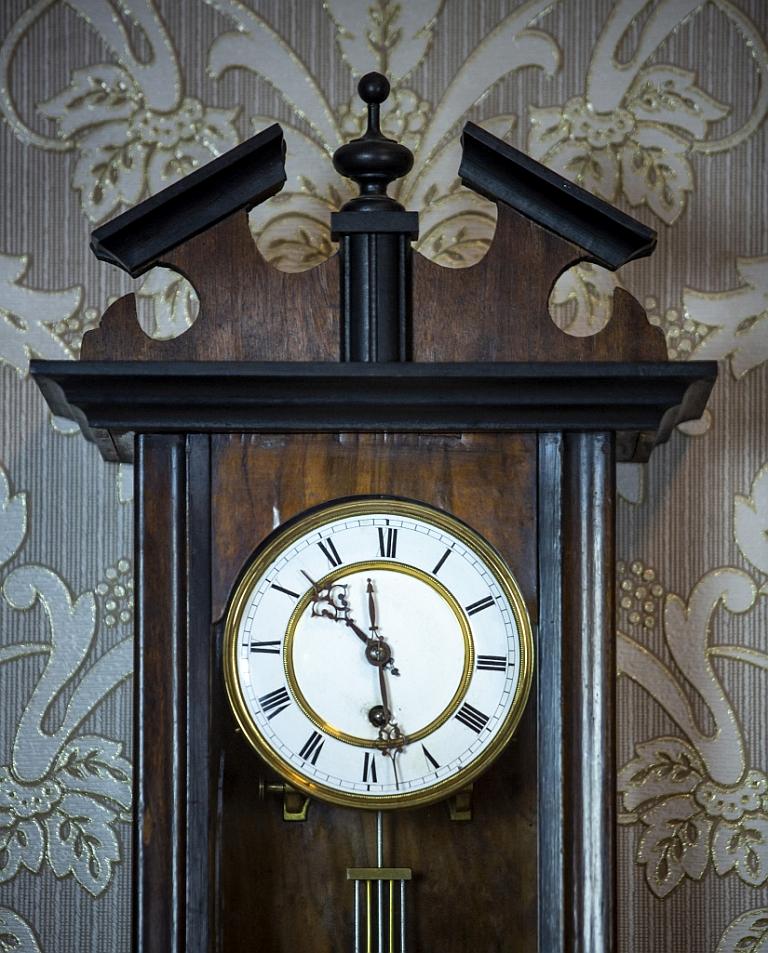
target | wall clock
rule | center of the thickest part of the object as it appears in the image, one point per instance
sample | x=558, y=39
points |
x=378, y=653
x=364, y=493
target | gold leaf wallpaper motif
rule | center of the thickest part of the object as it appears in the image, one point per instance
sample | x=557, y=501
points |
x=657, y=105
x=747, y=934
x=15, y=934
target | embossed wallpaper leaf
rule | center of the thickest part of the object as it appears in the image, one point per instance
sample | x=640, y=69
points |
x=657, y=105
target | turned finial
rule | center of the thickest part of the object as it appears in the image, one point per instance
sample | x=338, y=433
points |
x=373, y=160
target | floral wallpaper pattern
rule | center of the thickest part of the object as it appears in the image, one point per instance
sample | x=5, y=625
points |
x=657, y=105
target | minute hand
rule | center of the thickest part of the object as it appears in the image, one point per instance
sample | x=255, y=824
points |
x=384, y=652
x=371, y=607
x=384, y=692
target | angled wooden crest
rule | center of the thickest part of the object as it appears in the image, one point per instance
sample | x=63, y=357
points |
x=498, y=310
x=198, y=227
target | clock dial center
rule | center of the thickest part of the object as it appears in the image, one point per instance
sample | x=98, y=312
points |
x=412, y=671
x=378, y=653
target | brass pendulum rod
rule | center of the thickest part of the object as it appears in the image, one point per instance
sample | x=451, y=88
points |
x=380, y=883
x=390, y=922
x=368, y=918
x=357, y=917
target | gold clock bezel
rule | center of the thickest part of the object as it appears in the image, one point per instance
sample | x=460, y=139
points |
x=314, y=519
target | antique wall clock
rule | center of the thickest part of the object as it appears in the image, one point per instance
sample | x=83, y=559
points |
x=374, y=545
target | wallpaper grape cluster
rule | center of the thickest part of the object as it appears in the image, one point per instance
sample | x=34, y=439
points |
x=656, y=105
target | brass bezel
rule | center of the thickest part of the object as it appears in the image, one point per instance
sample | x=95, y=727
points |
x=365, y=506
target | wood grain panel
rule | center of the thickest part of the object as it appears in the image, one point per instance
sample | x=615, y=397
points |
x=497, y=310
x=159, y=651
x=488, y=480
x=249, y=311
x=283, y=885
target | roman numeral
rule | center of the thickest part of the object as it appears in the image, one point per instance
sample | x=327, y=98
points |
x=266, y=648
x=329, y=551
x=429, y=758
x=369, y=769
x=312, y=747
x=479, y=605
x=288, y=592
x=472, y=718
x=440, y=561
x=491, y=663
x=274, y=702
x=388, y=544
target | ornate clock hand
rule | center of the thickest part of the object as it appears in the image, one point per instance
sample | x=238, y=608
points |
x=350, y=623
x=384, y=693
x=380, y=654
x=394, y=744
x=371, y=607
x=393, y=753
x=331, y=603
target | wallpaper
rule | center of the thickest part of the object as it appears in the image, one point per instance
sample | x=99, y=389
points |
x=656, y=105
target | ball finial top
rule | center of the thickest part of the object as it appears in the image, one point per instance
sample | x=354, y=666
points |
x=373, y=160
x=373, y=88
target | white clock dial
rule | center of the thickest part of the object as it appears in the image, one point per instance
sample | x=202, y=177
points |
x=378, y=653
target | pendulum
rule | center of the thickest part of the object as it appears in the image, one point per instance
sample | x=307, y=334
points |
x=382, y=915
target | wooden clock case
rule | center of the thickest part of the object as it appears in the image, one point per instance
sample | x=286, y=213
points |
x=450, y=387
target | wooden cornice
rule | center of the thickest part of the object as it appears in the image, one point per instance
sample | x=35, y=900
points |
x=641, y=403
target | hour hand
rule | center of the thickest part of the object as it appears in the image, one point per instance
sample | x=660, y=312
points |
x=331, y=603
x=328, y=601
x=357, y=630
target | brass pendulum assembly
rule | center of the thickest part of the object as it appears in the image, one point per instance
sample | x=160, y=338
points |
x=380, y=910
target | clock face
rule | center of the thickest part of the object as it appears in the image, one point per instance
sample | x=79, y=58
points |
x=377, y=653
